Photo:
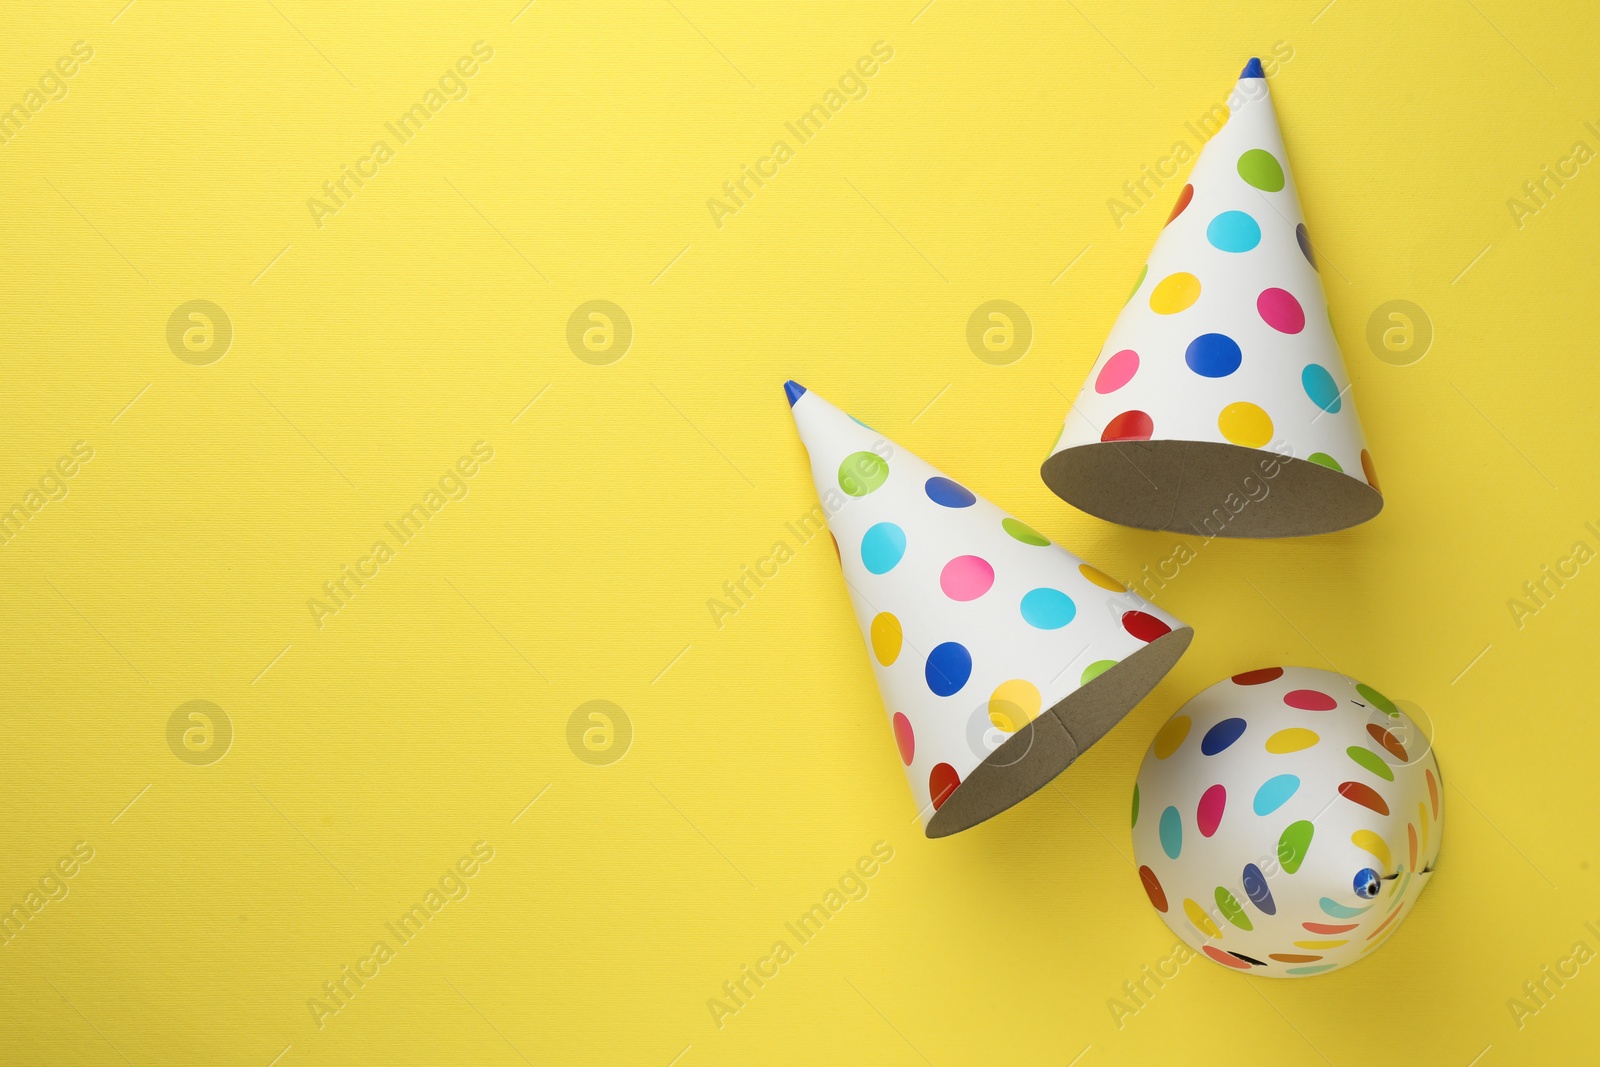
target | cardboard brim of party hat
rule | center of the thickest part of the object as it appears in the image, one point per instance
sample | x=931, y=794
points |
x=1220, y=403
x=1001, y=657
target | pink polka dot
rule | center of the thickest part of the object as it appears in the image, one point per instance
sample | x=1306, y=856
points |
x=1117, y=372
x=966, y=578
x=1209, y=814
x=904, y=739
x=1310, y=700
x=1280, y=310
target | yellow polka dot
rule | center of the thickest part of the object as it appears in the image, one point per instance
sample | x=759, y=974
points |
x=1292, y=740
x=1101, y=578
x=1371, y=842
x=1013, y=705
x=1245, y=424
x=1171, y=736
x=1201, y=920
x=886, y=638
x=1174, y=293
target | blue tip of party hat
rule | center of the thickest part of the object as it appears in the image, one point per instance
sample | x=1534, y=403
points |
x=794, y=391
x=1252, y=69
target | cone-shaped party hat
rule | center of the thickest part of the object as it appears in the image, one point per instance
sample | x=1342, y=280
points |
x=1000, y=656
x=1220, y=404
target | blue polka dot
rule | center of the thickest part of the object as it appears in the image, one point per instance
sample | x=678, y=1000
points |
x=949, y=667
x=1047, y=609
x=1320, y=388
x=1213, y=355
x=945, y=493
x=1171, y=833
x=1233, y=231
x=882, y=546
x=1220, y=736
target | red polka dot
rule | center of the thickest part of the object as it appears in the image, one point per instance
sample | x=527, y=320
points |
x=1209, y=814
x=1279, y=309
x=1143, y=626
x=1225, y=959
x=1129, y=426
x=941, y=783
x=1310, y=700
x=1177, y=209
x=1152, y=888
x=1265, y=674
x=904, y=738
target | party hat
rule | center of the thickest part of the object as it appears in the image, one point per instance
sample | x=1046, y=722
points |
x=1220, y=404
x=1000, y=657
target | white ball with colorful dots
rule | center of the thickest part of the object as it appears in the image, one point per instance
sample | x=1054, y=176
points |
x=1221, y=383
x=1000, y=657
x=1286, y=820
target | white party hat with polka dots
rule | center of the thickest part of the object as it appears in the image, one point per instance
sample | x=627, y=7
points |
x=1220, y=404
x=1000, y=656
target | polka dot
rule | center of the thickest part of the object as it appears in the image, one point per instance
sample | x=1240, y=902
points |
x=882, y=547
x=948, y=494
x=1255, y=887
x=886, y=637
x=1171, y=833
x=1174, y=293
x=1135, y=804
x=1365, y=795
x=1310, y=700
x=1020, y=532
x=1152, y=889
x=1320, y=387
x=862, y=472
x=1291, y=740
x=1213, y=355
x=1306, y=250
x=1227, y=959
x=1129, y=426
x=1095, y=670
x=1377, y=700
x=904, y=740
x=942, y=781
x=1325, y=460
x=1208, y=815
x=1294, y=843
x=1279, y=309
x=1329, y=928
x=1142, y=272
x=1391, y=744
x=966, y=578
x=1371, y=761
x=1316, y=968
x=1171, y=736
x=1368, y=470
x=1290, y=957
x=1233, y=231
x=1014, y=704
x=1144, y=626
x=1117, y=372
x=1433, y=793
x=1245, y=424
x=1101, y=578
x=1047, y=609
x=1274, y=793
x=948, y=668
x=1231, y=909
x=1201, y=920
x=1261, y=169
x=1183, y=202
x=1369, y=841
x=1220, y=736
x=1260, y=677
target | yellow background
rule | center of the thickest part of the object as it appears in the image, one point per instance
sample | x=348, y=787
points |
x=370, y=353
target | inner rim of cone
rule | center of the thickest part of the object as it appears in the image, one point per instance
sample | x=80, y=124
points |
x=1048, y=745
x=1209, y=489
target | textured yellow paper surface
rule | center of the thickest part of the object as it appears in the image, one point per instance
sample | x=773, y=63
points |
x=376, y=753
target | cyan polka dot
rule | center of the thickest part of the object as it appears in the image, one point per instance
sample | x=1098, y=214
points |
x=948, y=668
x=1320, y=388
x=1047, y=609
x=1233, y=231
x=882, y=546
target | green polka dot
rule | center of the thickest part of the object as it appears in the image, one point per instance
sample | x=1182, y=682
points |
x=1262, y=170
x=1142, y=272
x=1377, y=699
x=1136, y=804
x=1326, y=460
x=1025, y=534
x=1231, y=909
x=1096, y=669
x=862, y=472
x=1370, y=760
